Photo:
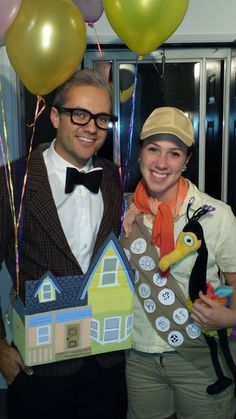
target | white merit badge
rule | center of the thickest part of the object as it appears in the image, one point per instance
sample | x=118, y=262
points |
x=159, y=280
x=146, y=263
x=166, y=296
x=139, y=246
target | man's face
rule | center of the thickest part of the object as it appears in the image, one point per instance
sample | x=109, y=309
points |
x=78, y=143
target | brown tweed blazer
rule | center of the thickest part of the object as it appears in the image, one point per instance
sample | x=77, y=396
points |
x=44, y=245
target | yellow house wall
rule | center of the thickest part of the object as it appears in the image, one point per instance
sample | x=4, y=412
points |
x=114, y=297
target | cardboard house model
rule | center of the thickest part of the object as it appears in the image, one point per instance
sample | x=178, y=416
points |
x=73, y=316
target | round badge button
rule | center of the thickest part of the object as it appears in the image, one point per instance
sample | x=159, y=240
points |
x=136, y=276
x=193, y=331
x=180, y=315
x=175, y=338
x=139, y=246
x=159, y=280
x=166, y=296
x=149, y=305
x=144, y=290
x=162, y=324
x=127, y=253
x=146, y=263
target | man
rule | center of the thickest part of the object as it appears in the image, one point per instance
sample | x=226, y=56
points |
x=62, y=230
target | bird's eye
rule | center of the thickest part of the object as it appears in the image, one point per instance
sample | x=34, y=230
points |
x=188, y=240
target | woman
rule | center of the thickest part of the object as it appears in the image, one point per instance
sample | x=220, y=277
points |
x=170, y=369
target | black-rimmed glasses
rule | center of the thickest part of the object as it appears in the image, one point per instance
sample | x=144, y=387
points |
x=103, y=121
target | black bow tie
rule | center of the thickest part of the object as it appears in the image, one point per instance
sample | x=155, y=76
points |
x=90, y=180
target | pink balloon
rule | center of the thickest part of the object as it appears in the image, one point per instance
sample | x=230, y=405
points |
x=91, y=10
x=8, y=12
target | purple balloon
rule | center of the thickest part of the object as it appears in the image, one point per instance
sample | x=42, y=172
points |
x=8, y=12
x=91, y=10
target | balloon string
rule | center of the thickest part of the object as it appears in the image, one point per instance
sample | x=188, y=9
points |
x=156, y=68
x=37, y=113
x=131, y=129
x=33, y=125
x=91, y=25
x=6, y=172
x=97, y=39
x=118, y=153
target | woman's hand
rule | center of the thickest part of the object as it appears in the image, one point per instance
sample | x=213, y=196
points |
x=211, y=315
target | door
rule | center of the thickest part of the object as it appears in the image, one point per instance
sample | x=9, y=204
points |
x=72, y=336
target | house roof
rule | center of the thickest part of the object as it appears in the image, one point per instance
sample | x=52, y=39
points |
x=72, y=291
x=67, y=290
x=111, y=240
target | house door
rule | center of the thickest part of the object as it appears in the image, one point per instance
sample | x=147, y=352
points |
x=72, y=336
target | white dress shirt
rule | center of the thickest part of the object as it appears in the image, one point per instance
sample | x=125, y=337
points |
x=80, y=212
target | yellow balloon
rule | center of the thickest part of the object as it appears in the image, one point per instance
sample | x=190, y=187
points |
x=46, y=43
x=143, y=25
x=126, y=94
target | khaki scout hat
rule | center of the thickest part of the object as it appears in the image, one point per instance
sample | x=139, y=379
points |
x=168, y=120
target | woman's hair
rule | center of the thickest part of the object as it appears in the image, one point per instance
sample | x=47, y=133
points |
x=85, y=77
x=189, y=150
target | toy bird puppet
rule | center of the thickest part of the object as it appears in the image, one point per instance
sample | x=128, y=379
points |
x=191, y=240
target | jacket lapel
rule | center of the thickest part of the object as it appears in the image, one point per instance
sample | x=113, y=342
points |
x=41, y=203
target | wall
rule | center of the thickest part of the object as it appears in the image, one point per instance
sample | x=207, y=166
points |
x=205, y=21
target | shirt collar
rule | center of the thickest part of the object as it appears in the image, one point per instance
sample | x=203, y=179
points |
x=198, y=198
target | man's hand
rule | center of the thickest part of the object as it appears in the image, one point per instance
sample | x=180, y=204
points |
x=11, y=362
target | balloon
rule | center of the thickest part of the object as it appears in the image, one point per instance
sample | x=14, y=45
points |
x=126, y=77
x=8, y=12
x=144, y=25
x=46, y=43
x=126, y=81
x=91, y=10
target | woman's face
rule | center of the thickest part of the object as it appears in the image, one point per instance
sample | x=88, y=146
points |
x=161, y=164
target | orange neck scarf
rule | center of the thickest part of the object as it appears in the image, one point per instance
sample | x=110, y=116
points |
x=161, y=214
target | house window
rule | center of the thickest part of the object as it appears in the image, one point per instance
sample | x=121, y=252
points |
x=47, y=292
x=129, y=325
x=109, y=271
x=43, y=335
x=112, y=330
x=95, y=329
